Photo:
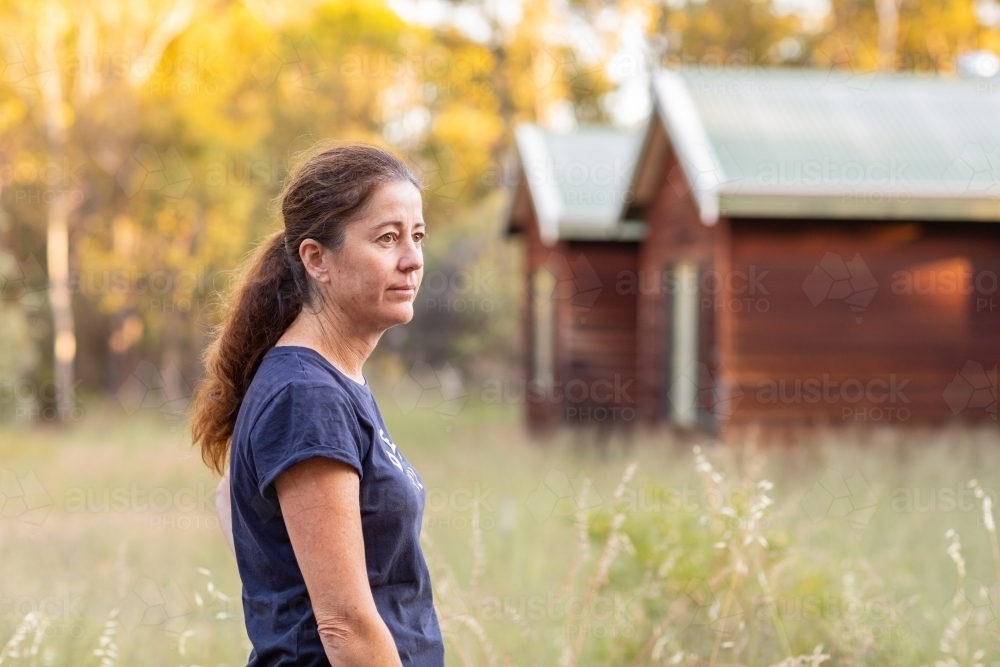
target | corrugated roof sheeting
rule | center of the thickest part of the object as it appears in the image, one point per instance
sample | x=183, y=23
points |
x=867, y=145
x=578, y=180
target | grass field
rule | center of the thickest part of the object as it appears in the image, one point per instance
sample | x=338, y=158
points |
x=834, y=544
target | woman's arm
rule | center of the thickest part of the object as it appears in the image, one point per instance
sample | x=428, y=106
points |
x=224, y=508
x=319, y=502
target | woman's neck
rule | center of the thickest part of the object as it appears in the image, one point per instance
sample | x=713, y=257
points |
x=336, y=338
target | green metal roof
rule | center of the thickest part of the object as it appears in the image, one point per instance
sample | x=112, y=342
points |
x=578, y=180
x=833, y=143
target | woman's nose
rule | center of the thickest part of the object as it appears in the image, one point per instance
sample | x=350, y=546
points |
x=413, y=256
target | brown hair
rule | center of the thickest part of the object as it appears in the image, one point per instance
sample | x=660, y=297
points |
x=332, y=187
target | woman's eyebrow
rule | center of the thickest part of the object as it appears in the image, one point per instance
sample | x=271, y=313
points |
x=396, y=223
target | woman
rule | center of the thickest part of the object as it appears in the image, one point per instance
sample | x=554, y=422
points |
x=326, y=510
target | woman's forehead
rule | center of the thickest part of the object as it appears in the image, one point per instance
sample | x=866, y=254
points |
x=401, y=200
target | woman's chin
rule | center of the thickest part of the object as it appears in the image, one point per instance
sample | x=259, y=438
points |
x=400, y=313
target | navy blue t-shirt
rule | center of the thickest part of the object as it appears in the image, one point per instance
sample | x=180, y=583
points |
x=298, y=406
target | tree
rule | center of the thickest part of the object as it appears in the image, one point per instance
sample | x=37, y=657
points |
x=58, y=45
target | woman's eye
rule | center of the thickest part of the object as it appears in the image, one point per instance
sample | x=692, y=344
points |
x=418, y=238
x=387, y=236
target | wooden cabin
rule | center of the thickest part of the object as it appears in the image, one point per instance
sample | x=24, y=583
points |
x=792, y=245
x=580, y=334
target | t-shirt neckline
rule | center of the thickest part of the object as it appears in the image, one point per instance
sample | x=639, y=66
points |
x=327, y=362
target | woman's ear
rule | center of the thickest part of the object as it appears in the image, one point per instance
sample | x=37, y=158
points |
x=316, y=260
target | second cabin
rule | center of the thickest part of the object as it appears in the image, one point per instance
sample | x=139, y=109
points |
x=774, y=245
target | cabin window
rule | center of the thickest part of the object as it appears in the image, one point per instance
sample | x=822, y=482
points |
x=543, y=287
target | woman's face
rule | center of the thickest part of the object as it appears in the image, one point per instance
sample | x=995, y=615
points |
x=374, y=276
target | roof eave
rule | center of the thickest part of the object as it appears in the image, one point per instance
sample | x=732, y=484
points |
x=624, y=230
x=859, y=205
x=697, y=156
x=537, y=167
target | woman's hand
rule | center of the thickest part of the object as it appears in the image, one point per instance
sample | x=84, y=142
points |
x=224, y=508
x=319, y=503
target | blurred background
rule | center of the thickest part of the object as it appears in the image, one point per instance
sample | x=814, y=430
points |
x=142, y=145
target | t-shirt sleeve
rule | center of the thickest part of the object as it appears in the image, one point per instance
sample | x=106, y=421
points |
x=301, y=422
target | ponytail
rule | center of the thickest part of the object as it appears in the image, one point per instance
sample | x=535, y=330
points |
x=264, y=303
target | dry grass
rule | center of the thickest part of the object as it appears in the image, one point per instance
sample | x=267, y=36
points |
x=863, y=547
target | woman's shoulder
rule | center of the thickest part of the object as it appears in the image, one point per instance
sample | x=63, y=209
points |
x=289, y=384
x=294, y=368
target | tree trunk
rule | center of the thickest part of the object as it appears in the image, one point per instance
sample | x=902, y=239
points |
x=57, y=251
x=888, y=33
